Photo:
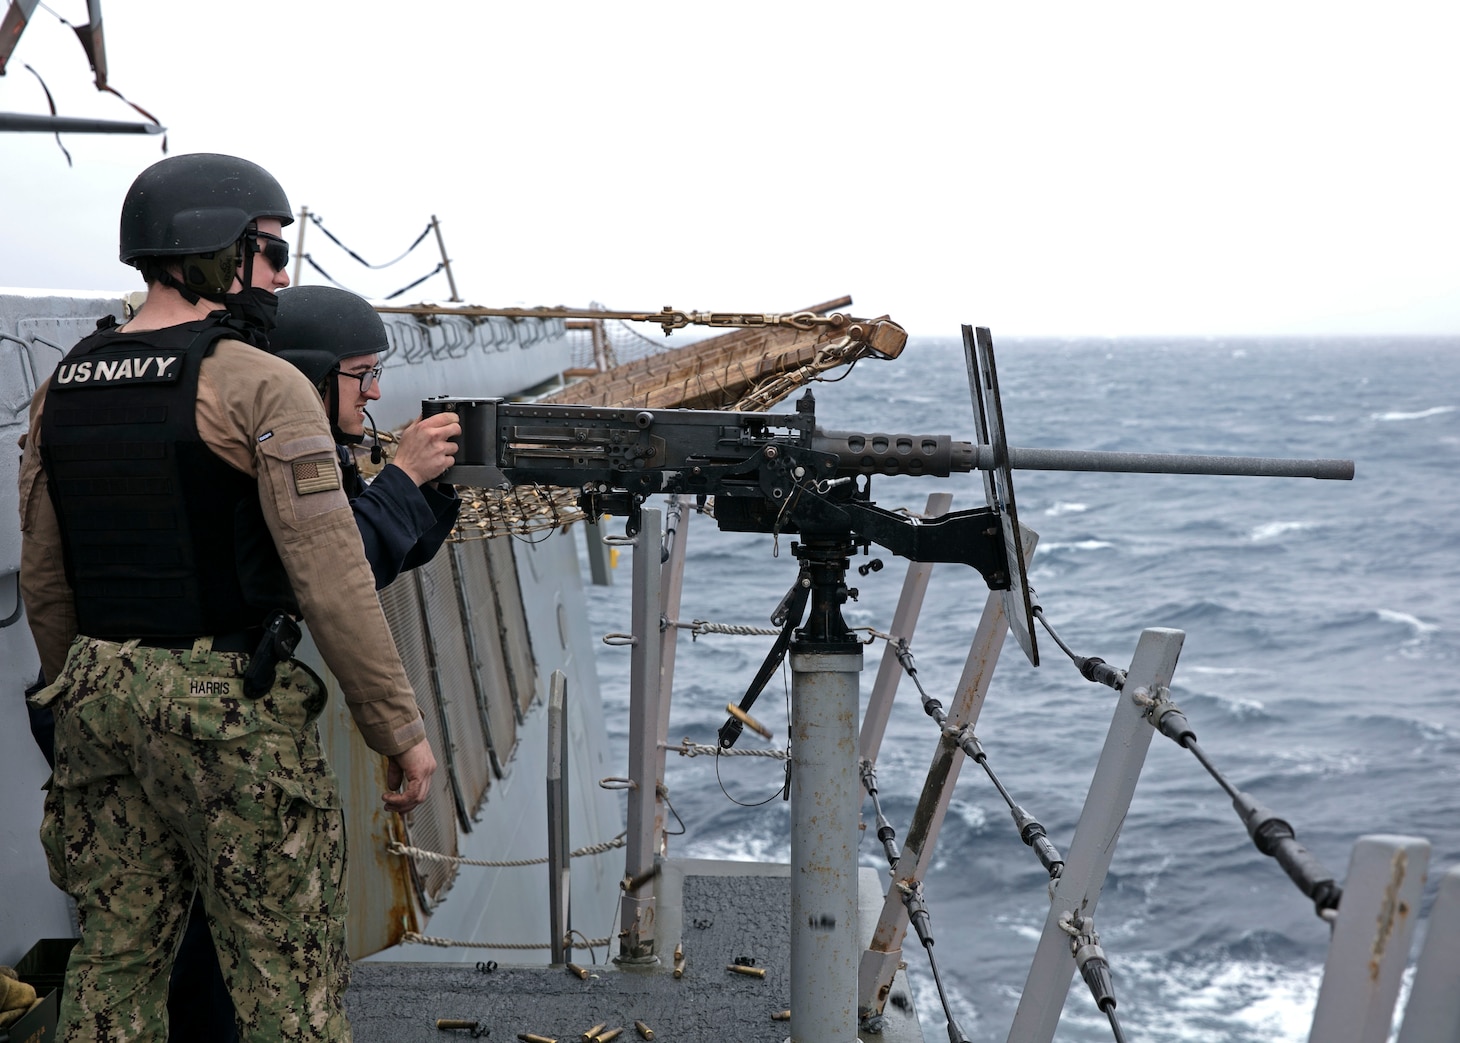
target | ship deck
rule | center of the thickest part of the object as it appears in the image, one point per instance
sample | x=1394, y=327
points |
x=719, y=911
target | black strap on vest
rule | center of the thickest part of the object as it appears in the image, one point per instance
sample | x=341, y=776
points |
x=161, y=537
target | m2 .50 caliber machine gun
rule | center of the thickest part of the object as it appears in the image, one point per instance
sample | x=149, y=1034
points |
x=778, y=473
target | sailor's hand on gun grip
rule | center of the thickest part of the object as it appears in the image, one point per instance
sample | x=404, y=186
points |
x=408, y=775
x=426, y=447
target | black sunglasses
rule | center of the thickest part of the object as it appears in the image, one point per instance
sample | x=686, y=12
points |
x=274, y=249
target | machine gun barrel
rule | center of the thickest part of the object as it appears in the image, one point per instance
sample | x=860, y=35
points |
x=938, y=455
x=1165, y=463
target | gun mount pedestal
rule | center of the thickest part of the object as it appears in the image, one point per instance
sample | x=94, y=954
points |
x=826, y=803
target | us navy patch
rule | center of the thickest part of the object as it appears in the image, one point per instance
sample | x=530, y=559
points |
x=315, y=476
x=113, y=370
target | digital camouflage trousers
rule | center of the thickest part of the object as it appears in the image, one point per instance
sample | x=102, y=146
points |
x=169, y=780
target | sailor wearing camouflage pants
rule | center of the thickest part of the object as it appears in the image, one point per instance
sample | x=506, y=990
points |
x=168, y=777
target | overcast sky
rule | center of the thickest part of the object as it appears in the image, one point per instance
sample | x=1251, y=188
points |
x=1068, y=168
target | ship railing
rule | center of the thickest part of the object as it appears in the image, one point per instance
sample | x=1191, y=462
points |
x=1372, y=928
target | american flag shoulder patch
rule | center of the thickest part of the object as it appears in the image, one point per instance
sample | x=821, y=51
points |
x=315, y=476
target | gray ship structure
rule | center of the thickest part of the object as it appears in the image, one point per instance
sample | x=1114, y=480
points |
x=478, y=911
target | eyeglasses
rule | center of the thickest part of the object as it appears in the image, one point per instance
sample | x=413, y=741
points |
x=274, y=249
x=367, y=378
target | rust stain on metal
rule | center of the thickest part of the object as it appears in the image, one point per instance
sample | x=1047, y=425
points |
x=382, y=893
x=1391, y=912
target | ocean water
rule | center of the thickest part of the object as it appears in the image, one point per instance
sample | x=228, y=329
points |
x=1319, y=668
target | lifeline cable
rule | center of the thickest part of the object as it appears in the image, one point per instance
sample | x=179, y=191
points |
x=885, y=832
x=410, y=286
x=690, y=748
x=1031, y=831
x=1271, y=835
x=912, y=898
x=309, y=259
x=413, y=938
x=917, y=915
x=315, y=218
x=395, y=847
x=1092, y=668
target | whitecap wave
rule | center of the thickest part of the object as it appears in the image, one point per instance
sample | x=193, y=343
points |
x=1075, y=545
x=1241, y=709
x=1417, y=625
x=1030, y=930
x=741, y=847
x=1272, y=530
x=972, y=815
x=1061, y=507
x=1422, y=414
x=1302, y=761
x=1229, y=1000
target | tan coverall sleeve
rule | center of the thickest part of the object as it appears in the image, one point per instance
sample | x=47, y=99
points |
x=263, y=416
x=49, y=607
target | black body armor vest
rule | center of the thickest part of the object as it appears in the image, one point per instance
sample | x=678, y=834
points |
x=162, y=538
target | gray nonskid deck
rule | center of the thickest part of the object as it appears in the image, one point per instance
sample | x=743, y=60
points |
x=719, y=910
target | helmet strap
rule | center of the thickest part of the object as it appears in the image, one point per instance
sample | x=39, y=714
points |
x=249, y=242
x=330, y=388
x=174, y=283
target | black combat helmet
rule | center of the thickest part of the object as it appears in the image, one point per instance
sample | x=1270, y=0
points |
x=196, y=208
x=318, y=327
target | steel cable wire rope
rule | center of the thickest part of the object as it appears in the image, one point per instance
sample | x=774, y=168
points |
x=318, y=223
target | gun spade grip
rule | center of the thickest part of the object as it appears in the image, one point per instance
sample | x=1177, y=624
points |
x=478, y=441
